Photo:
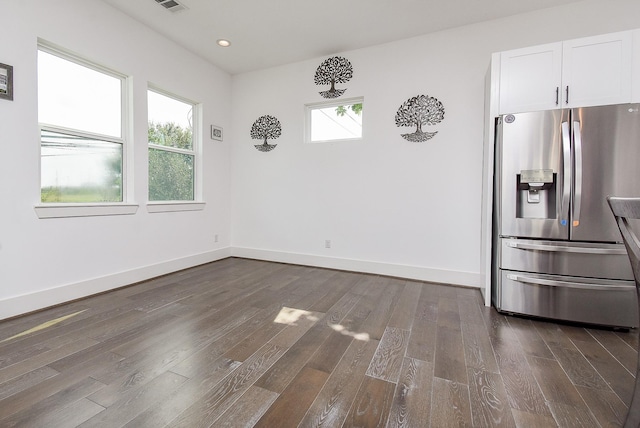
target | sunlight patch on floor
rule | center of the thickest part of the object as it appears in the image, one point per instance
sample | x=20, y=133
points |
x=290, y=316
x=358, y=336
x=43, y=326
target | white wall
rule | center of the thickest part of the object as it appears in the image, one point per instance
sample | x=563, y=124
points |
x=388, y=206
x=46, y=261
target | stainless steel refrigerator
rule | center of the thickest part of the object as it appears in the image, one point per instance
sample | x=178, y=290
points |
x=557, y=251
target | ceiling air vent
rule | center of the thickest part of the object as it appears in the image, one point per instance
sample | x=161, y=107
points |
x=171, y=5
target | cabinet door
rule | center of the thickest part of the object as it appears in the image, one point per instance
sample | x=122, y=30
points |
x=530, y=78
x=597, y=70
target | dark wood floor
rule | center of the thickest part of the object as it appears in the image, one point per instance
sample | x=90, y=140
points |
x=248, y=343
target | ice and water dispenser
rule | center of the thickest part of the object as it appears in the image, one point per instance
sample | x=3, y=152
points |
x=536, y=193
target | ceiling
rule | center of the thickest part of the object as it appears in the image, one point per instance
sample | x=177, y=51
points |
x=269, y=33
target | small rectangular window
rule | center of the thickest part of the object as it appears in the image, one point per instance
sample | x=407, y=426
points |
x=172, y=154
x=80, y=110
x=334, y=121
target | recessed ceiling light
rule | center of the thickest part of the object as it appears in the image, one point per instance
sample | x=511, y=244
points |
x=224, y=43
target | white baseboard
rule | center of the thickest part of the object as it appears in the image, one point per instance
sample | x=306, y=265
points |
x=18, y=305
x=467, y=279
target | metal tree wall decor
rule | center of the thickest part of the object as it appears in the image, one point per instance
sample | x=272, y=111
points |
x=264, y=128
x=419, y=111
x=333, y=70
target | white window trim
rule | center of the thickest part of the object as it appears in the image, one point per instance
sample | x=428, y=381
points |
x=84, y=210
x=174, y=206
x=127, y=206
x=308, y=108
x=197, y=203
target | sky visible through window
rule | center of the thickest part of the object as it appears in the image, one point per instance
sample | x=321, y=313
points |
x=328, y=125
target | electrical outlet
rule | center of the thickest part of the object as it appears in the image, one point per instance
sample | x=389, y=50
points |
x=327, y=243
x=215, y=238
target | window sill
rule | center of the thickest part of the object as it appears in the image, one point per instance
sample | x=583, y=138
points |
x=83, y=210
x=165, y=207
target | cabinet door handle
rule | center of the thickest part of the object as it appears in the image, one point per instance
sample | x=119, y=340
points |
x=567, y=98
x=557, y=94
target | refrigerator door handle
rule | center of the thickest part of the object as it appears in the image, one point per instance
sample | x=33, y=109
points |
x=582, y=250
x=566, y=173
x=568, y=284
x=577, y=189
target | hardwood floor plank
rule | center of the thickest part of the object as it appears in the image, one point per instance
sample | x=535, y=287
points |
x=203, y=356
x=17, y=354
x=631, y=337
x=530, y=341
x=163, y=412
x=448, y=313
x=248, y=409
x=331, y=350
x=287, y=367
x=27, y=398
x=509, y=354
x=570, y=416
x=403, y=313
x=578, y=368
x=553, y=335
x=618, y=378
x=302, y=390
x=523, y=391
x=220, y=398
x=606, y=406
x=339, y=286
x=387, y=361
x=332, y=404
x=261, y=334
x=301, y=349
x=469, y=309
x=73, y=415
x=411, y=405
x=134, y=402
x=554, y=382
x=477, y=347
x=449, y=361
x=134, y=332
x=427, y=309
x=25, y=381
x=488, y=399
x=38, y=411
x=371, y=405
x=619, y=348
x=525, y=420
x=450, y=405
x=422, y=339
x=383, y=307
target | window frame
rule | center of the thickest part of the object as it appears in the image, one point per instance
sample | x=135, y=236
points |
x=196, y=151
x=308, y=108
x=81, y=209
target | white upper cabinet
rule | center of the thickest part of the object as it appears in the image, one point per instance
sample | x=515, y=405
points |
x=576, y=73
x=597, y=70
x=530, y=78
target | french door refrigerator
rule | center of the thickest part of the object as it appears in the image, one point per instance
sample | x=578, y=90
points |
x=557, y=252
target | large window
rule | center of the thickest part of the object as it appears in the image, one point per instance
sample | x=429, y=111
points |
x=172, y=154
x=82, y=126
x=333, y=121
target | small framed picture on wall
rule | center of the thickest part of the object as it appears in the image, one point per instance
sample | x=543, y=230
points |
x=6, y=82
x=216, y=133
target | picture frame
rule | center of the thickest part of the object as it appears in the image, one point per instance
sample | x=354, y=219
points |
x=6, y=82
x=216, y=133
